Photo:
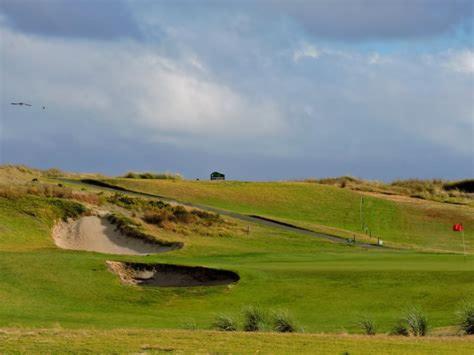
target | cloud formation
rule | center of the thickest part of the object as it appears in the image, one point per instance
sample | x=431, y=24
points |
x=100, y=19
x=232, y=87
x=375, y=19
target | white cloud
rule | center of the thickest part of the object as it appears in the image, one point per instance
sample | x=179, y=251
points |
x=135, y=89
x=461, y=61
x=306, y=50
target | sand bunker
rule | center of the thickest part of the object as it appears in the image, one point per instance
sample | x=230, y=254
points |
x=166, y=275
x=94, y=233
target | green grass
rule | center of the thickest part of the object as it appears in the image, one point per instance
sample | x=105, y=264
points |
x=411, y=223
x=211, y=342
x=54, y=300
x=326, y=287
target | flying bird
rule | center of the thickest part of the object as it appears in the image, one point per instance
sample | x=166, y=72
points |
x=21, y=104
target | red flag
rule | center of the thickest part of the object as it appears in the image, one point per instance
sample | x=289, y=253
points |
x=458, y=227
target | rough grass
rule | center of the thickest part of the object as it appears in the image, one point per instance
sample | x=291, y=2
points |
x=429, y=189
x=148, y=175
x=133, y=229
x=134, y=341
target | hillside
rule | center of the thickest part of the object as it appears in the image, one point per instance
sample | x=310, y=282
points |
x=326, y=287
x=400, y=222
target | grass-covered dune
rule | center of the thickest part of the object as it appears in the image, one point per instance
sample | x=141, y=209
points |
x=398, y=220
x=69, y=300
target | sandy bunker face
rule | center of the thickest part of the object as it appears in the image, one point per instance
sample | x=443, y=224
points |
x=166, y=275
x=97, y=234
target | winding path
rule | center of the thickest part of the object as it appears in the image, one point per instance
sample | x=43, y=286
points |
x=98, y=184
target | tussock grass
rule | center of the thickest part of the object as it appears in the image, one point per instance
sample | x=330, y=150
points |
x=154, y=176
x=48, y=190
x=367, y=325
x=254, y=319
x=428, y=189
x=400, y=328
x=466, y=318
x=417, y=322
x=283, y=322
x=131, y=228
x=225, y=323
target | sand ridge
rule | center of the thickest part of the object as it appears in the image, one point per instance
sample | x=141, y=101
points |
x=96, y=233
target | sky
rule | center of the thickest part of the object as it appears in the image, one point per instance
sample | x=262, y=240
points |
x=259, y=90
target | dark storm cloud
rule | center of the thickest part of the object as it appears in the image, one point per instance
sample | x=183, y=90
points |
x=100, y=19
x=353, y=19
x=376, y=19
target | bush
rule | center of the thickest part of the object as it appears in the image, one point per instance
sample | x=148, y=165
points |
x=283, y=322
x=399, y=329
x=367, y=325
x=254, y=319
x=466, y=318
x=225, y=323
x=417, y=322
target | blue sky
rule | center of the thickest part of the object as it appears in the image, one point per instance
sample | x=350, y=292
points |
x=260, y=90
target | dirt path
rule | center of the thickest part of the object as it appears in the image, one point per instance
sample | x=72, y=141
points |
x=94, y=233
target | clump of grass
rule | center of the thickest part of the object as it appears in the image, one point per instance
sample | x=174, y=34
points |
x=132, y=229
x=282, y=322
x=417, y=322
x=254, y=319
x=225, y=323
x=466, y=318
x=148, y=175
x=400, y=328
x=48, y=190
x=179, y=214
x=367, y=325
x=67, y=209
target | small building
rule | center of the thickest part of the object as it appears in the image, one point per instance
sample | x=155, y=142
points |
x=217, y=176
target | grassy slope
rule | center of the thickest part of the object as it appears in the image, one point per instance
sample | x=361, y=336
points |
x=422, y=224
x=167, y=341
x=327, y=287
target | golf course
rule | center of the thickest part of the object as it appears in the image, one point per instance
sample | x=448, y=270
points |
x=87, y=268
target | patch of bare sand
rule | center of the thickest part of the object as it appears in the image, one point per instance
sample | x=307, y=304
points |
x=168, y=275
x=93, y=233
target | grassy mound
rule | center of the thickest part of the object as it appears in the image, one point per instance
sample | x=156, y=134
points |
x=399, y=222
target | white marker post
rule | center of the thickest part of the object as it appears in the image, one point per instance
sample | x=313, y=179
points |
x=463, y=244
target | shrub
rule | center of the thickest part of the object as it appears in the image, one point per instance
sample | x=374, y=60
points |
x=283, y=322
x=466, y=318
x=367, y=325
x=417, y=322
x=400, y=328
x=225, y=323
x=254, y=319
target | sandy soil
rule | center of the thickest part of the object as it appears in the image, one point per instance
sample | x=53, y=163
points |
x=167, y=275
x=93, y=233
